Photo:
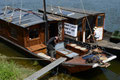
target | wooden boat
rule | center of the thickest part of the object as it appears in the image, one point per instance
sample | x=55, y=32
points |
x=27, y=32
x=82, y=56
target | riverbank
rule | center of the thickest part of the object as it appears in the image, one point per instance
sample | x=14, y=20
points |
x=9, y=70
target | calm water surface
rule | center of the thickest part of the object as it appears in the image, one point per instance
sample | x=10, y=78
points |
x=110, y=7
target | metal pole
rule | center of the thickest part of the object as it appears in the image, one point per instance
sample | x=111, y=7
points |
x=46, y=23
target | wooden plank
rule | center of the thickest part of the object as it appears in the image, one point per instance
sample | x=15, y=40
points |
x=47, y=68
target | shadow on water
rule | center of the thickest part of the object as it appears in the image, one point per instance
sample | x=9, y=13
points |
x=110, y=75
x=92, y=74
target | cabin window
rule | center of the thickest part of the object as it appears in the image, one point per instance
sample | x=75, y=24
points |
x=13, y=32
x=33, y=33
x=100, y=20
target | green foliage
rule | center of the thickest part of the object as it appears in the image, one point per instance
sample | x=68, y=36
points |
x=10, y=71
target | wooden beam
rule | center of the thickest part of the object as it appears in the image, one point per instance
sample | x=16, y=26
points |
x=47, y=68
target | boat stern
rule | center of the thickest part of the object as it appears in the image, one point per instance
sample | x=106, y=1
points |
x=104, y=62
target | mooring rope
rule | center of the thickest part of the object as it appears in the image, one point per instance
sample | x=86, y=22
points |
x=22, y=58
x=20, y=17
x=87, y=18
x=85, y=15
x=11, y=17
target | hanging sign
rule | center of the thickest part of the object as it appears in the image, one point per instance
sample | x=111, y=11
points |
x=70, y=29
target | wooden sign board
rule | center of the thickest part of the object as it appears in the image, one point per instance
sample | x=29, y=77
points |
x=70, y=29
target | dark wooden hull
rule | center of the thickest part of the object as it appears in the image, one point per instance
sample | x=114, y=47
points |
x=77, y=68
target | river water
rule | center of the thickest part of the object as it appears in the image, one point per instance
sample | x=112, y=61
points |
x=110, y=7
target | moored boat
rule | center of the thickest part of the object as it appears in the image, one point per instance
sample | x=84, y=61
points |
x=25, y=29
x=82, y=56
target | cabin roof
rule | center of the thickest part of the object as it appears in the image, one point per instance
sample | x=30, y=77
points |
x=71, y=12
x=28, y=18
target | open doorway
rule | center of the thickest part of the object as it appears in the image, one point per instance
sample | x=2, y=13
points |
x=53, y=30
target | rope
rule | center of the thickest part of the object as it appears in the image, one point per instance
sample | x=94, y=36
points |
x=6, y=6
x=20, y=58
x=51, y=6
x=60, y=10
x=20, y=17
x=20, y=14
x=5, y=10
x=86, y=17
x=12, y=11
x=52, y=9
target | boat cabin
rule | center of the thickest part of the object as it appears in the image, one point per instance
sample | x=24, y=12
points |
x=81, y=25
x=27, y=28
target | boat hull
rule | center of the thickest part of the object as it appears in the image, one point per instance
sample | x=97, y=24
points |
x=77, y=68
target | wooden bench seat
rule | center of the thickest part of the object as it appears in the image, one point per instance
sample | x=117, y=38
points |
x=36, y=47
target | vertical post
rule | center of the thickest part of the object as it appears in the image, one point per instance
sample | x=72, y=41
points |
x=83, y=36
x=83, y=29
x=46, y=23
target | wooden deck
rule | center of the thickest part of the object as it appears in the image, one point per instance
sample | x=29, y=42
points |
x=36, y=47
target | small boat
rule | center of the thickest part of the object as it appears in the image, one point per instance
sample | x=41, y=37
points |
x=26, y=30
x=82, y=56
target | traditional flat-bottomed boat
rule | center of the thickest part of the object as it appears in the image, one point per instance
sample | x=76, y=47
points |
x=26, y=30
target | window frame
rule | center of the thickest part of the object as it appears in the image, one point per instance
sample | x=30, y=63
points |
x=34, y=37
x=103, y=21
x=14, y=31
